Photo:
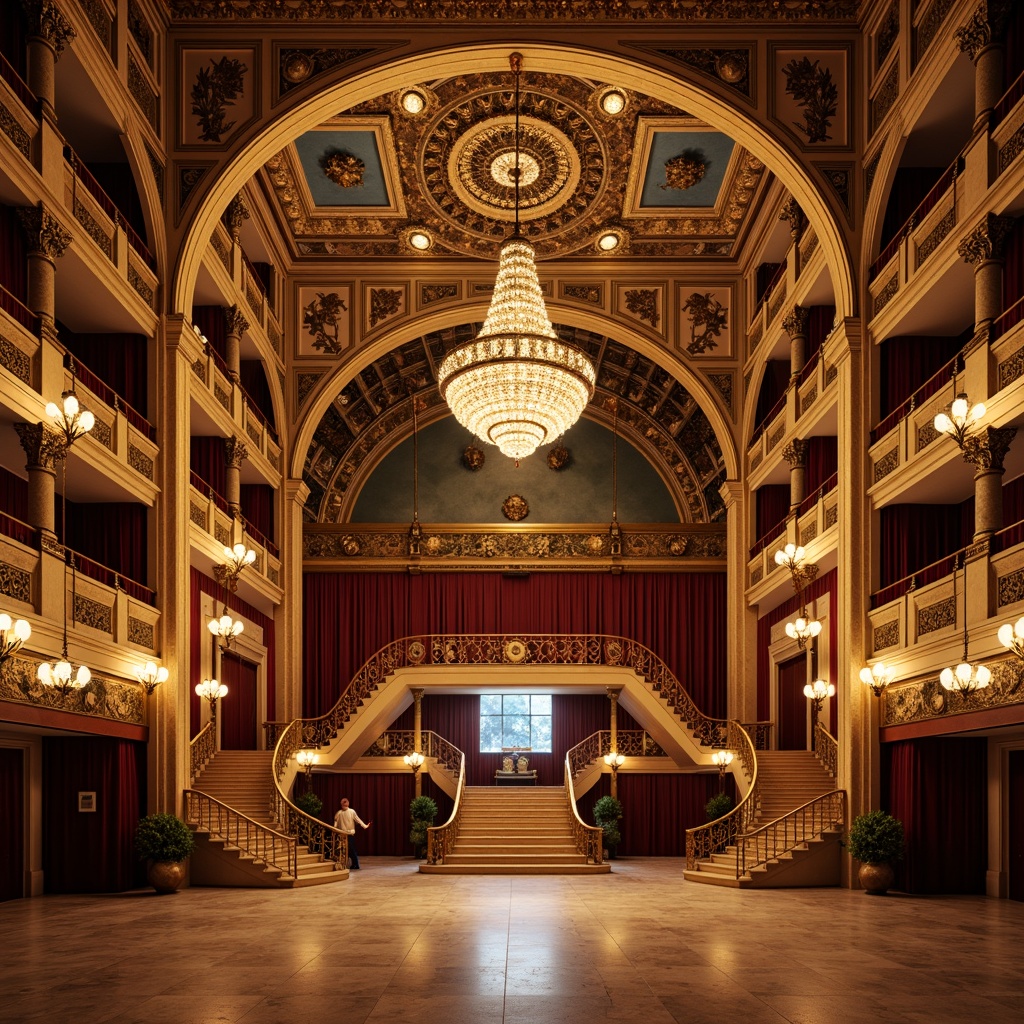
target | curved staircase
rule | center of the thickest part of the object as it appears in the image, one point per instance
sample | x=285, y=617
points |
x=515, y=832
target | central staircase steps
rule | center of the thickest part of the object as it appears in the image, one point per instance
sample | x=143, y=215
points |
x=515, y=831
x=241, y=779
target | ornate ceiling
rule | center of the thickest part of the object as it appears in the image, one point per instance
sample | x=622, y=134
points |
x=374, y=412
x=667, y=184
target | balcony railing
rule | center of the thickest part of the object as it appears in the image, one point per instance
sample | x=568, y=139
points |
x=1008, y=318
x=109, y=207
x=258, y=414
x=933, y=385
x=1008, y=100
x=1008, y=537
x=261, y=539
x=109, y=396
x=772, y=534
x=819, y=492
x=919, y=578
x=17, y=530
x=207, y=489
x=18, y=86
x=809, y=367
x=19, y=311
x=110, y=577
x=775, y=410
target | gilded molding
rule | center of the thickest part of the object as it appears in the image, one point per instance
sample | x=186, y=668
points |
x=384, y=302
x=808, y=398
x=94, y=229
x=886, y=295
x=235, y=451
x=46, y=21
x=831, y=515
x=795, y=453
x=236, y=214
x=708, y=318
x=430, y=293
x=46, y=235
x=15, y=583
x=731, y=67
x=43, y=446
x=591, y=293
x=683, y=172
x=723, y=384
x=97, y=16
x=936, y=616
x=887, y=94
x=93, y=613
x=816, y=93
x=794, y=216
x=301, y=64
x=935, y=236
x=808, y=533
x=15, y=360
x=927, y=699
x=197, y=515
x=140, y=284
x=929, y=27
x=140, y=461
x=141, y=633
x=142, y=92
x=986, y=241
x=885, y=635
x=344, y=169
x=188, y=179
x=12, y=128
x=1010, y=588
x=888, y=33
x=985, y=24
x=235, y=322
x=1011, y=368
x=304, y=385
x=987, y=448
x=796, y=322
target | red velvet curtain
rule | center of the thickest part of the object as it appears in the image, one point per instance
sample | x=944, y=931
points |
x=13, y=495
x=114, y=534
x=822, y=461
x=381, y=799
x=207, y=460
x=819, y=327
x=764, y=275
x=119, y=360
x=257, y=501
x=200, y=584
x=349, y=616
x=907, y=362
x=822, y=585
x=92, y=851
x=909, y=187
x=117, y=180
x=210, y=321
x=12, y=824
x=13, y=30
x=1013, y=501
x=1013, y=273
x=253, y=379
x=914, y=536
x=1013, y=60
x=239, y=729
x=773, y=385
x=772, y=507
x=13, y=254
x=791, y=726
x=938, y=788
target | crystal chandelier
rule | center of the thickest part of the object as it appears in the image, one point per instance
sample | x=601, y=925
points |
x=517, y=385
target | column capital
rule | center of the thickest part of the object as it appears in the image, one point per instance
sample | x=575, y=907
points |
x=732, y=492
x=988, y=447
x=46, y=235
x=795, y=453
x=46, y=21
x=235, y=451
x=795, y=322
x=984, y=26
x=296, y=491
x=236, y=213
x=792, y=213
x=235, y=320
x=43, y=446
x=613, y=692
x=417, y=693
x=986, y=241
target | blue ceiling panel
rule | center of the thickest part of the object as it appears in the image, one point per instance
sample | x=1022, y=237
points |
x=713, y=148
x=313, y=147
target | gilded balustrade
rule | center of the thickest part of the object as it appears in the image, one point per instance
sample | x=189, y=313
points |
x=399, y=742
x=826, y=747
x=264, y=844
x=629, y=742
x=441, y=838
x=771, y=841
x=589, y=839
x=201, y=749
x=715, y=836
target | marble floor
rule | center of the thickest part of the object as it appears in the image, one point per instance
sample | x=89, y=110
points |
x=390, y=945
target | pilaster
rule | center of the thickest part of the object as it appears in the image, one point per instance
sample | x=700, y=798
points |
x=288, y=615
x=741, y=621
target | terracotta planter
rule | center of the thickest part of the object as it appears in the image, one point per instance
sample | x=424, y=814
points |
x=165, y=875
x=875, y=878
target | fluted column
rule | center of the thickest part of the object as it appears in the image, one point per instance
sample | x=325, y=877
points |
x=417, y=731
x=234, y=452
x=47, y=240
x=49, y=32
x=983, y=250
x=794, y=323
x=792, y=213
x=740, y=618
x=44, y=448
x=982, y=40
x=289, y=613
x=986, y=451
x=795, y=453
x=236, y=325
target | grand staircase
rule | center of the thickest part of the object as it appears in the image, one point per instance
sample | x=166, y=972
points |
x=515, y=831
x=787, y=780
x=238, y=779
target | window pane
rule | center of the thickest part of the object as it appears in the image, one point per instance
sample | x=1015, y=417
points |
x=541, y=732
x=517, y=704
x=490, y=732
x=490, y=704
x=517, y=731
x=540, y=704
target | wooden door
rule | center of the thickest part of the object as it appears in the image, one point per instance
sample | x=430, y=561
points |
x=239, y=729
x=792, y=704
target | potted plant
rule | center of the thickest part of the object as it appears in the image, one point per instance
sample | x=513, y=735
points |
x=312, y=805
x=607, y=814
x=718, y=806
x=423, y=811
x=165, y=841
x=876, y=840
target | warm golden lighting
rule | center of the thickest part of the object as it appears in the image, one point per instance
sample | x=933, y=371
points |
x=722, y=758
x=60, y=676
x=614, y=760
x=878, y=677
x=420, y=240
x=819, y=690
x=150, y=676
x=961, y=418
x=225, y=629
x=1011, y=636
x=70, y=418
x=965, y=678
x=13, y=634
x=608, y=241
x=803, y=629
x=414, y=761
x=517, y=385
x=307, y=758
x=413, y=102
x=613, y=102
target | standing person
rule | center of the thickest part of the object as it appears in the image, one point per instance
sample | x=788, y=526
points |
x=346, y=819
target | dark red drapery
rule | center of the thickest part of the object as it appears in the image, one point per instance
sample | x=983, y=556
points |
x=210, y=321
x=207, y=461
x=822, y=461
x=772, y=507
x=906, y=362
x=114, y=534
x=238, y=710
x=773, y=386
x=13, y=495
x=92, y=852
x=13, y=253
x=914, y=536
x=257, y=501
x=792, y=723
x=819, y=326
x=938, y=788
x=119, y=360
x=12, y=824
x=349, y=616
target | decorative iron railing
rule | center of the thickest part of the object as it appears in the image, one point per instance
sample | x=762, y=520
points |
x=715, y=836
x=201, y=749
x=826, y=747
x=399, y=742
x=264, y=844
x=441, y=838
x=628, y=742
x=589, y=839
x=779, y=837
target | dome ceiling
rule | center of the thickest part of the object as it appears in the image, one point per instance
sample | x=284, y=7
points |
x=362, y=182
x=373, y=413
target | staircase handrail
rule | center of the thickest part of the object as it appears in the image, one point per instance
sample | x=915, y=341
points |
x=589, y=839
x=715, y=836
x=201, y=748
x=398, y=742
x=319, y=837
x=509, y=649
x=261, y=842
x=826, y=749
x=779, y=837
x=629, y=742
x=441, y=838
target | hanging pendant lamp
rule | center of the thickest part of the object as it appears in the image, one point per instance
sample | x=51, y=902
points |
x=516, y=385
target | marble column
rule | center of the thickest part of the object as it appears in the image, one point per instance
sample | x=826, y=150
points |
x=792, y=213
x=986, y=450
x=983, y=249
x=235, y=326
x=795, y=453
x=47, y=240
x=48, y=33
x=417, y=731
x=44, y=448
x=982, y=40
x=794, y=323
x=234, y=452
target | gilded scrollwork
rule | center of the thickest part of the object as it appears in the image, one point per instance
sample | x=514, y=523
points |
x=320, y=318
x=643, y=304
x=93, y=613
x=1010, y=588
x=45, y=234
x=344, y=169
x=15, y=582
x=885, y=635
x=936, y=616
x=708, y=318
x=384, y=302
x=141, y=632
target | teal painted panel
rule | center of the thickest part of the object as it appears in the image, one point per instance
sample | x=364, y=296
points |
x=449, y=493
x=714, y=148
x=312, y=147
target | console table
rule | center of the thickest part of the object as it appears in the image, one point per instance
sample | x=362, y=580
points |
x=527, y=778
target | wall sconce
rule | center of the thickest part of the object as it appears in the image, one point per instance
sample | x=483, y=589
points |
x=615, y=761
x=965, y=678
x=816, y=693
x=70, y=418
x=803, y=629
x=225, y=629
x=13, y=634
x=237, y=558
x=1011, y=636
x=722, y=759
x=151, y=677
x=414, y=761
x=212, y=691
x=960, y=420
x=877, y=676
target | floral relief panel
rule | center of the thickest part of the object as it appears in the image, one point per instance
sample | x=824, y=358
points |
x=811, y=97
x=218, y=95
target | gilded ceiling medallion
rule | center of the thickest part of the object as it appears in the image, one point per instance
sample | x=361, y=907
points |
x=344, y=169
x=559, y=457
x=683, y=171
x=515, y=508
x=473, y=458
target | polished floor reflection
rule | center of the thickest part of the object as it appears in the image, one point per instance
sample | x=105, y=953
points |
x=639, y=945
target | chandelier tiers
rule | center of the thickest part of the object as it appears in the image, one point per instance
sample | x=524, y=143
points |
x=225, y=629
x=966, y=678
x=794, y=558
x=878, y=677
x=13, y=634
x=517, y=386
